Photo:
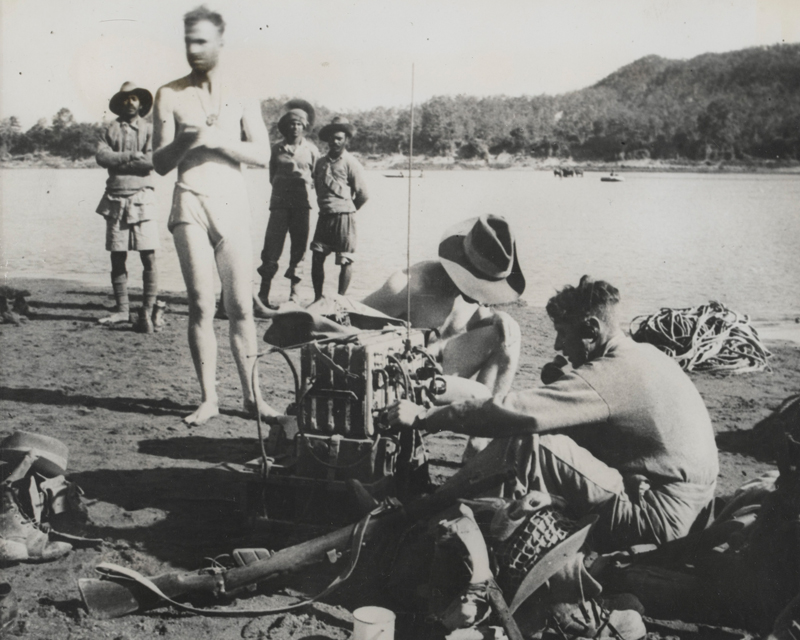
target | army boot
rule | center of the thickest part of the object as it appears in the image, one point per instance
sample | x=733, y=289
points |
x=20, y=539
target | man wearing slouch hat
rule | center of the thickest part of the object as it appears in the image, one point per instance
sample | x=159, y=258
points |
x=129, y=205
x=477, y=266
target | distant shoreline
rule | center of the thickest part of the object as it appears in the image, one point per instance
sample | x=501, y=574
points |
x=502, y=162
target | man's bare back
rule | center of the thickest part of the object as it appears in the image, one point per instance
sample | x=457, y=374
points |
x=436, y=303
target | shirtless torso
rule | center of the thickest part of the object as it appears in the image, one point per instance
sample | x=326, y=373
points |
x=208, y=162
x=202, y=128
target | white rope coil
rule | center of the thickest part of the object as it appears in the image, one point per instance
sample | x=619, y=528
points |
x=710, y=337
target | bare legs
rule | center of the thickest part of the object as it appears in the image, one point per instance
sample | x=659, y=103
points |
x=119, y=261
x=197, y=257
x=235, y=266
x=318, y=274
x=345, y=273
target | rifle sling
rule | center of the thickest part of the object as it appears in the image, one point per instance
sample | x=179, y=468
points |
x=113, y=571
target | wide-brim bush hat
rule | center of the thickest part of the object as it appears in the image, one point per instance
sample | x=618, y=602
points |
x=297, y=109
x=337, y=124
x=145, y=99
x=480, y=256
x=52, y=454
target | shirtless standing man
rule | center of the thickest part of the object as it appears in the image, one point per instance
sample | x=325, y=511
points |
x=199, y=126
x=477, y=266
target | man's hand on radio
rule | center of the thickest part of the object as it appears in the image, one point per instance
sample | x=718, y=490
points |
x=404, y=413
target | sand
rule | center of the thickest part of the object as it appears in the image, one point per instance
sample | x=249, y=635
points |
x=155, y=491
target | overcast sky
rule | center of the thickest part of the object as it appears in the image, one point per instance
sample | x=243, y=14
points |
x=358, y=53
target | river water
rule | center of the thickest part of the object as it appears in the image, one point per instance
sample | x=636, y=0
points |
x=664, y=239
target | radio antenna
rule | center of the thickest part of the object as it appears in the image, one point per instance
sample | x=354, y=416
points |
x=408, y=230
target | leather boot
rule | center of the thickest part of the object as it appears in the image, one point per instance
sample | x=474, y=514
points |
x=20, y=539
x=144, y=322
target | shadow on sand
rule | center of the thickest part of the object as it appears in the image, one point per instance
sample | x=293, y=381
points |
x=171, y=298
x=189, y=514
x=39, y=317
x=81, y=306
x=149, y=406
x=237, y=450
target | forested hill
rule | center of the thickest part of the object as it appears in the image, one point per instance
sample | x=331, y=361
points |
x=742, y=105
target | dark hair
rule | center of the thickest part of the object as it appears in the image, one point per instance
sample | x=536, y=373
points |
x=198, y=14
x=589, y=298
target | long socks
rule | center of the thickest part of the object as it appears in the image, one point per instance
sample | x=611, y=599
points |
x=120, y=286
x=122, y=313
x=150, y=288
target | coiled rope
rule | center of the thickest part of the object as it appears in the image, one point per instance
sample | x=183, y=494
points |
x=710, y=337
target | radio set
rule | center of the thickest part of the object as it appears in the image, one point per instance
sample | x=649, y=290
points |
x=339, y=433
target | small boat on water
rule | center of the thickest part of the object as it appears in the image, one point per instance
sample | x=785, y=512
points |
x=614, y=177
x=403, y=174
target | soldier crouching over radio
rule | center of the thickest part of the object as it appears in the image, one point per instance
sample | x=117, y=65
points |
x=641, y=451
x=477, y=266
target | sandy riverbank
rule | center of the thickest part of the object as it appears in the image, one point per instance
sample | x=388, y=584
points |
x=155, y=491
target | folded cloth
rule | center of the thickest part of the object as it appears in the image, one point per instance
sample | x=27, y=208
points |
x=324, y=319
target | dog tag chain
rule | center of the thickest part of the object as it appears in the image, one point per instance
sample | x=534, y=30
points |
x=211, y=118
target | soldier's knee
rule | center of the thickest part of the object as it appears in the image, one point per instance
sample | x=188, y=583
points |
x=202, y=307
x=238, y=309
x=507, y=333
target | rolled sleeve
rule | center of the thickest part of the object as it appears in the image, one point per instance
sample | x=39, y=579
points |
x=567, y=403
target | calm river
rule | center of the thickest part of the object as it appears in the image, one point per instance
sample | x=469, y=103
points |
x=664, y=239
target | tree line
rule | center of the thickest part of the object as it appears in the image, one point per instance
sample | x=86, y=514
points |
x=740, y=105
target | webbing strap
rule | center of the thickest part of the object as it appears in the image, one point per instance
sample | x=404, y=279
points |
x=116, y=572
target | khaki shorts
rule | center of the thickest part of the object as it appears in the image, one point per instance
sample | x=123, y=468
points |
x=130, y=221
x=121, y=236
x=336, y=233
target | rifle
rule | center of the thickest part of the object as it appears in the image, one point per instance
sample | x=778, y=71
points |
x=108, y=598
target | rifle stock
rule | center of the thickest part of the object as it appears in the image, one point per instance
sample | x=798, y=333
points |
x=107, y=598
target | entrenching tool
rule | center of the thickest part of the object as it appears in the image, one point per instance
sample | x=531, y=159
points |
x=107, y=598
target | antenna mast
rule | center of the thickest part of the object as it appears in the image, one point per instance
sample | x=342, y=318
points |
x=408, y=230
